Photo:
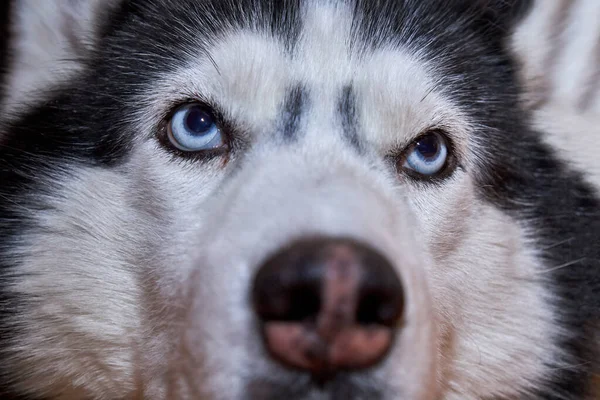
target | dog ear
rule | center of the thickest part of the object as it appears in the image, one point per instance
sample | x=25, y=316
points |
x=504, y=14
x=47, y=41
x=55, y=23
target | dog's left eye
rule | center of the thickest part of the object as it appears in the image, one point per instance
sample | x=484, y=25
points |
x=193, y=127
x=428, y=155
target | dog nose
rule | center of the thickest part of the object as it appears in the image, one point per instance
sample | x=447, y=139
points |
x=328, y=305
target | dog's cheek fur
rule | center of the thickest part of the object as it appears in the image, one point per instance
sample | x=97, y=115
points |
x=79, y=326
x=488, y=287
x=105, y=247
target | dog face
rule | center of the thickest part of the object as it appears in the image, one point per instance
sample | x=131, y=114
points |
x=190, y=146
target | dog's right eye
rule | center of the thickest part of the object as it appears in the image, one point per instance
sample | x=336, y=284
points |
x=193, y=128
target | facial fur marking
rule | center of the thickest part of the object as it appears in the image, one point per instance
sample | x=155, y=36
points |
x=294, y=107
x=348, y=113
x=130, y=250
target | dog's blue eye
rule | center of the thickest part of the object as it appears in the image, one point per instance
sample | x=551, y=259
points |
x=194, y=128
x=428, y=155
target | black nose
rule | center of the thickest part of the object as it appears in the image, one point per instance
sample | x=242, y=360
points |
x=328, y=305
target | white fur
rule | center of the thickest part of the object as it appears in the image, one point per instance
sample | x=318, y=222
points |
x=147, y=268
x=559, y=45
x=85, y=330
x=51, y=38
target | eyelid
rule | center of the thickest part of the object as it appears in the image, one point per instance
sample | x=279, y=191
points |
x=201, y=154
x=399, y=157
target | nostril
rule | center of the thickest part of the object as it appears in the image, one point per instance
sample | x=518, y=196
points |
x=375, y=308
x=328, y=304
x=381, y=297
x=288, y=287
x=294, y=302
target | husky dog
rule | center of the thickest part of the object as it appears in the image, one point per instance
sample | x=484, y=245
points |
x=300, y=199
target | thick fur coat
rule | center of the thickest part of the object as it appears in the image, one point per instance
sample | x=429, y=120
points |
x=126, y=262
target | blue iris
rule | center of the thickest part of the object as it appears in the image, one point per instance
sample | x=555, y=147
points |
x=194, y=128
x=428, y=155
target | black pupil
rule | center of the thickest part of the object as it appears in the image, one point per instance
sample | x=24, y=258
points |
x=199, y=121
x=429, y=147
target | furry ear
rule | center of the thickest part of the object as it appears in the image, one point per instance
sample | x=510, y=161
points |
x=52, y=24
x=47, y=40
x=504, y=14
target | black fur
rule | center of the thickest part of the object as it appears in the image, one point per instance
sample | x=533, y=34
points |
x=293, y=108
x=526, y=179
x=83, y=124
x=349, y=117
x=564, y=210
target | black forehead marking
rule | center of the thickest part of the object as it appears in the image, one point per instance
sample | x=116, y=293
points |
x=286, y=21
x=349, y=117
x=183, y=27
x=294, y=107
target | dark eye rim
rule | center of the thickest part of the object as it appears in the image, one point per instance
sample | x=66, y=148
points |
x=447, y=170
x=200, y=155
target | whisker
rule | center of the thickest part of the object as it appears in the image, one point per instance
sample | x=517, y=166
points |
x=565, y=265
